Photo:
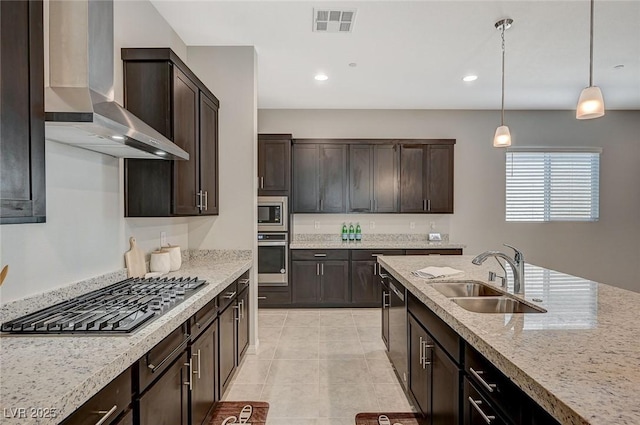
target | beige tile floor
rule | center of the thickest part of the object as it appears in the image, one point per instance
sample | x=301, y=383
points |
x=319, y=367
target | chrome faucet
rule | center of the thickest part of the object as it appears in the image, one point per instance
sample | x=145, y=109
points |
x=516, y=263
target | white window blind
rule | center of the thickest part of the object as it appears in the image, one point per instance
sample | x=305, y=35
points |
x=552, y=185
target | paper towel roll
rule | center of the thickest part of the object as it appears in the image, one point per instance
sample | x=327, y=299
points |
x=175, y=256
x=160, y=262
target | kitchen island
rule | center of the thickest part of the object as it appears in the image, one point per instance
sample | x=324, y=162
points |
x=579, y=361
x=49, y=377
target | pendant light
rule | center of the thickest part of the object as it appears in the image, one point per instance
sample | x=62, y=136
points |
x=591, y=103
x=502, y=138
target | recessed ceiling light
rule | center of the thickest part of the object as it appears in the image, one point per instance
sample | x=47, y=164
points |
x=117, y=137
x=161, y=153
x=321, y=77
x=353, y=64
x=469, y=78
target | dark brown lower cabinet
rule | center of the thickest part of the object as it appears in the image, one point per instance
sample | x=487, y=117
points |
x=477, y=410
x=228, y=346
x=419, y=383
x=365, y=283
x=315, y=282
x=166, y=402
x=243, y=324
x=204, y=360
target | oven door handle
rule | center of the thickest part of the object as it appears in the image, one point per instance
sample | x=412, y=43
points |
x=272, y=243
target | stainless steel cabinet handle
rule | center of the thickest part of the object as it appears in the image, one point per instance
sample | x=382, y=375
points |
x=424, y=205
x=489, y=387
x=237, y=310
x=199, y=199
x=476, y=404
x=426, y=346
x=197, y=372
x=321, y=206
x=262, y=298
x=428, y=204
x=243, y=281
x=383, y=275
x=189, y=383
x=371, y=204
x=317, y=269
x=375, y=269
x=319, y=255
x=261, y=182
x=421, y=353
x=175, y=350
x=206, y=200
x=242, y=309
x=321, y=269
x=230, y=295
x=384, y=304
x=106, y=414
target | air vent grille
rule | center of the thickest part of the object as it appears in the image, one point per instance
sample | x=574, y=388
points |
x=333, y=20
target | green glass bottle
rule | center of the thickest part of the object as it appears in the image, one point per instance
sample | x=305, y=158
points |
x=345, y=233
x=358, y=232
x=352, y=233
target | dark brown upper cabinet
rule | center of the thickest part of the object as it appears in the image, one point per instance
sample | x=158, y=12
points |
x=274, y=164
x=426, y=177
x=161, y=90
x=373, y=178
x=22, y=168
x=320, y=178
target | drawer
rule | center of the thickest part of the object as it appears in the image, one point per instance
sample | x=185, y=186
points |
x=110, y=402
x=441, y=332
x=319, y=254
x=161, y=356
x=203, y=318
x=448, y=251
x=268, y=296
x=479, y=410
x=243, y=281
x=493, y=384
x=227, y=296
x=366, y=254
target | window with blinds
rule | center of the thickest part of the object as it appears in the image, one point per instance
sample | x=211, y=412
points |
x=550, y=185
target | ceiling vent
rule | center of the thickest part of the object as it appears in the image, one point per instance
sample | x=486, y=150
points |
x=333, y=20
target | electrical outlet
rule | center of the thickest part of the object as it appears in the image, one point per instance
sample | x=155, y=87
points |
x=163, y=239
x=372, y=225
x=316, y=224
x=412, y=225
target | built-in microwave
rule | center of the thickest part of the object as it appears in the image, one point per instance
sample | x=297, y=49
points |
x=272, y=213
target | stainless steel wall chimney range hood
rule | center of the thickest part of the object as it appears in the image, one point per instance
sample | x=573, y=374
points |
x=79, y=106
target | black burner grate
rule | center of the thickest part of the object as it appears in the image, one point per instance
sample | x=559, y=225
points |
x=119, y=308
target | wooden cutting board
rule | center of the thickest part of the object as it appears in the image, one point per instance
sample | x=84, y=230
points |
x=134, y=260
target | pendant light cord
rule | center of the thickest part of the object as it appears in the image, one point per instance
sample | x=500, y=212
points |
x=591, y=47
x=502, y=110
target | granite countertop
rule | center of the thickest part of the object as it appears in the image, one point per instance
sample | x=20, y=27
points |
x=579, y=360
x=374, y=241
x=62, y=372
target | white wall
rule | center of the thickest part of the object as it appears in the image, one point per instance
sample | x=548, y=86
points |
x=230, y=73
x=85, y=234
x=607, y=251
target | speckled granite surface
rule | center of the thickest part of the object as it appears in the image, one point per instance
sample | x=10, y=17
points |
x=580, y=360
x=62, y=372
x=370, y=241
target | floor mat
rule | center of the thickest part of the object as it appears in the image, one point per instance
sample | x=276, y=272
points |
x=394, y=418
x=231, y=412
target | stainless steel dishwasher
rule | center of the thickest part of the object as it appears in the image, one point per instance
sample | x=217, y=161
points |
x=398, y=329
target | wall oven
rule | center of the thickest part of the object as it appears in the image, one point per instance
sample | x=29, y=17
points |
x=273, y=259
x=272, y=214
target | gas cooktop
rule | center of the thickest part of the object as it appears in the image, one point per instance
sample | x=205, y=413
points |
x=116, y=309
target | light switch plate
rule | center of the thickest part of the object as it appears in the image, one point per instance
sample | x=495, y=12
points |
x=435, y=237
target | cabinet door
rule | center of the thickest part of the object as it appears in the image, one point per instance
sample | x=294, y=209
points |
x=227, y=344
x=385, y=312
x=186, y=178
x=22, y=168
x=477, y=411
x=440, y=178
x=204, y=359
x=166, y=401
x=445, y=384
x=333, y=178
x=306, y=194
x=208, y=155
x=274, y=164
x=385, y=178
x=334, y=282
x=365, y=284
x=419, y=367
x=412, y=172
x=304, y=281
x=361, y=178
x=243, y=324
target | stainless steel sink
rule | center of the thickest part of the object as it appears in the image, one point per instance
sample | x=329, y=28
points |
x=466, y=289
x=496, y=305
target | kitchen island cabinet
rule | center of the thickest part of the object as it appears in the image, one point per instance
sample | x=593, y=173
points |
x=534, y=368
